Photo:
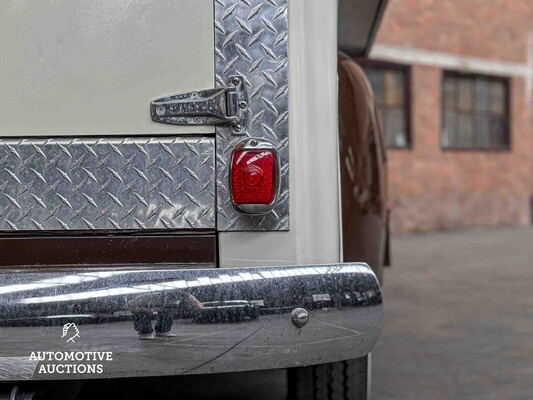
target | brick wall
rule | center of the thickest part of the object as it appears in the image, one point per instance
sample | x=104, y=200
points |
x=493, y=29
x=432, y=189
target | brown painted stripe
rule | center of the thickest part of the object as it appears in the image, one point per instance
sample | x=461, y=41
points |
x=107, y=250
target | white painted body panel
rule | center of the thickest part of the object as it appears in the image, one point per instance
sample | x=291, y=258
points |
x=314, y=188
x=91, y=68
x=76, y=67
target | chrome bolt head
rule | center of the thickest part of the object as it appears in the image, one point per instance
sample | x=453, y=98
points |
x=299, y=317
x=237, y=128
x=235, y=81
x=243, y=105
x=160, y=110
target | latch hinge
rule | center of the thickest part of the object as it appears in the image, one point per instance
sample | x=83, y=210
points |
x=221, y=106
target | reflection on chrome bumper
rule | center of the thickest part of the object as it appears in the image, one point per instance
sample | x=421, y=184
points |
x=81, y=324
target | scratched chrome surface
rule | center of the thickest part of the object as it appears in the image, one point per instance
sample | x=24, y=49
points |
x=107, y=184
x=343, y=301
x=251, y=40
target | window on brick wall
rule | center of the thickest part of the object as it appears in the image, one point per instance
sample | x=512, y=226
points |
x=476, y=112
x=390, y=86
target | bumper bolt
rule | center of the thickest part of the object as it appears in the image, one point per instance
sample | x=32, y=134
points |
x=299, y=317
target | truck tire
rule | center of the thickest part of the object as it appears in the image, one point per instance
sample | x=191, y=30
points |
x=343, y=380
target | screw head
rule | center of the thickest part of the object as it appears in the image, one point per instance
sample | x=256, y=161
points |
x=235, y=81
x=237, y=128
x=254, y=142
x=299, y=317
x=160, y=110
x=243, y=105
x=194, y=95
x=196, y=120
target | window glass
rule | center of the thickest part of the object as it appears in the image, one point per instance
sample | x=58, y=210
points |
x=449, y=128
x=497, y=98
x=377, y=81
x=449, y=93
x=466, y=129
x=389, y=87
x=497, y=132
x=464, y=95
x=482, y=95
x=394, y=121
x=482, y=130
x=475, y=112
x=394, y=88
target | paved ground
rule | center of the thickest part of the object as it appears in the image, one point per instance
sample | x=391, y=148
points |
x=458, y=317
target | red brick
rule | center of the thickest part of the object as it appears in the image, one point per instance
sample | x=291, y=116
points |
x=432, y=189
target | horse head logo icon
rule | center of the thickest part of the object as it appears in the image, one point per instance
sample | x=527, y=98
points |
x=71, y=326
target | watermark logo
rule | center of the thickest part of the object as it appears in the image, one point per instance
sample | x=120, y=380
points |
x=74, y=332
x=71, y=362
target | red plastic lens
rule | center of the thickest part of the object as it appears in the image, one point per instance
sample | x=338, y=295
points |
x=253, y=176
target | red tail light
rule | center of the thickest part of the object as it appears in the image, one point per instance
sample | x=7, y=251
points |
x=254, y=176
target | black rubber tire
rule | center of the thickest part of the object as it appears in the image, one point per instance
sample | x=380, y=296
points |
x=344, y=380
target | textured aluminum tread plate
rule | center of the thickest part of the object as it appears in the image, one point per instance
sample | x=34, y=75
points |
x=251, y=40
x=107, y=184
x=16, y=368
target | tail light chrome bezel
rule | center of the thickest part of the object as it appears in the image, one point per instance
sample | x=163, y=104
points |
x=255, y=144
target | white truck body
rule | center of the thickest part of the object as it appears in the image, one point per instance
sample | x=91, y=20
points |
x=91, y=180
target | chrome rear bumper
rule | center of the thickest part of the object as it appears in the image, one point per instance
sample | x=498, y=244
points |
x=79, y=324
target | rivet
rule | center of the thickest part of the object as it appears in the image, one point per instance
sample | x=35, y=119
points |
x=160, y=110
x=254, y=142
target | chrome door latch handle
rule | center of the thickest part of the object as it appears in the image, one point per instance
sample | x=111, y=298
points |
x=221, y=106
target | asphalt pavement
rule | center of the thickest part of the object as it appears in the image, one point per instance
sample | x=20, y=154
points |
x=458, y=317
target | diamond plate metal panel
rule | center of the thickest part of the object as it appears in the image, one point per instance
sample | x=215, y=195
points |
x=15, y=368
x=251, y=40
x=107, y=184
